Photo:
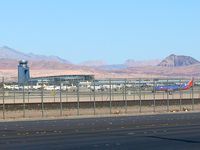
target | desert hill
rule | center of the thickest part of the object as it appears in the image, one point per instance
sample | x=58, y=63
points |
x=178, y=61
x=9, y=59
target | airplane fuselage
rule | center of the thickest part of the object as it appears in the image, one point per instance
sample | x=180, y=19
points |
x=169, y=88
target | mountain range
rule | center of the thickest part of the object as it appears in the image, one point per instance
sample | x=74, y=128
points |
x=9, y=58
x=7, y=52
x=177, y=61
x=41, y=65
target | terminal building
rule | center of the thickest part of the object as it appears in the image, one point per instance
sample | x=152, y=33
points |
x=64, y=79
x=24, y=77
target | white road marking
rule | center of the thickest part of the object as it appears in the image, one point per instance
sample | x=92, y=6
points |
x=131, y=133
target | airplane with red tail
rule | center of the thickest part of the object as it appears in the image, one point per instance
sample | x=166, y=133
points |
x=171, y=88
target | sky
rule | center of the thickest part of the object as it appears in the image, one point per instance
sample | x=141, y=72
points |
x=109, y=30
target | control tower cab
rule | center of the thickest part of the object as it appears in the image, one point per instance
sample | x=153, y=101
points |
x=23, y=72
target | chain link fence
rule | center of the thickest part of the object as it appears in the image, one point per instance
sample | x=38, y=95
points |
x=98, y=97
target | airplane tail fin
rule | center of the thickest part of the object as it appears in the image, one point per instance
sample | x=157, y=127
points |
x=189, y=84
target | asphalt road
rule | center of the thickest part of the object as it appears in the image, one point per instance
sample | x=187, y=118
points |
x=178, y=131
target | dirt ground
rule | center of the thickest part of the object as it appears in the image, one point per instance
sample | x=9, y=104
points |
x=74, y=112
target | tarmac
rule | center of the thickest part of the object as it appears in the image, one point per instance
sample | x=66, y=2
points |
x=157, y=131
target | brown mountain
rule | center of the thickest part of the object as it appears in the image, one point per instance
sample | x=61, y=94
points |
x=9, y=60
x=178, y=61
x=177, y=66
x=9, y=56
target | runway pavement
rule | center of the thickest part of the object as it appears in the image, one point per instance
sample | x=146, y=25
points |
x=179, y=131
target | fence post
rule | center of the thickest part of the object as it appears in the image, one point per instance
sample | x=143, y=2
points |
x=193, y=96
x=140, y=96
x=154, y=96
x=28, y=91
x=94, y=98
x=66, y=93
x=110, y=92
x=61, y=108
x=90, y=93
x=78, y=105
x=14, y=95
x=180, y=94
x=167, y=97
x=125, y=96
x=54, y=89
x=23, y=101
x=3, y=98
x=134, y=90
x=42, y=98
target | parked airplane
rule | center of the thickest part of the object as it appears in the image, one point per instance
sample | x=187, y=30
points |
x=171, y=88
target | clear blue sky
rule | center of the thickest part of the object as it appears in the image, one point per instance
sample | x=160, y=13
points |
x=110, y=30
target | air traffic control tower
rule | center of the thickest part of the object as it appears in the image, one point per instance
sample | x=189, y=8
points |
x=23, y=72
